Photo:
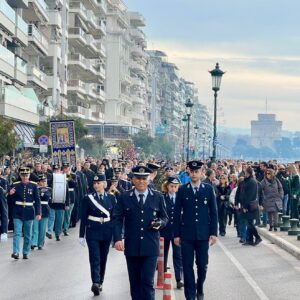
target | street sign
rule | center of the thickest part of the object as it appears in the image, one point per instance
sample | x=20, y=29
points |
x=43, y=140
x=43, y=148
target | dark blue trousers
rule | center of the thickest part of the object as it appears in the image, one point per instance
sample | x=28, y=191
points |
x=98, y=251
x=141, y=270
x=177, y=260
x=191, y=250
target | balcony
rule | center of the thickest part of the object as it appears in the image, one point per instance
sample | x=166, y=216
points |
x=126, y=79
x=101, y=49
x=37, y=38
x=76, y=86
x=13, y=104
x=37, y=11
x=79, y=8
x=137, y=19
x=102, y=5
x=7, y=17
x=55, y=18
x=20, y=70
x=37, y=77
x=55, y=50
x=136, y=67
x=121, y=17
x=92, y=20
x=101, y=26
x=101, y=95
x=7, y=62
x=98, y=116
x=18, y=3
x=21, y=31
x=76, y=111
x=137, y=51
x=77, y=37
x=78, y=62
x=137, y=100
x=91, y=44
x=90, y=90
x=137, y=34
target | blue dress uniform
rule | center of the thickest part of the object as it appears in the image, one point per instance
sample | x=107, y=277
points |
x=26, y=205
x=196, y=219
x=141, y=239
x=97, y=227
x=39, y=227
x=168, y=234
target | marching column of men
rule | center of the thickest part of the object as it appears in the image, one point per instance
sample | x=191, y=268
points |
x=119, y=210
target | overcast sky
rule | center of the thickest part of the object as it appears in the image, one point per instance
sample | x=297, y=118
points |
x=257, y=42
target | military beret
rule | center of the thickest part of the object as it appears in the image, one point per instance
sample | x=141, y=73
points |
x=173, y=179
x=42, y=177
x=99, y=177
x=194, y=164
x=24, y=170
x=141, y=171
x=153, y=166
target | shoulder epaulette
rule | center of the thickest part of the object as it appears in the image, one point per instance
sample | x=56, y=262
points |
x=33, y=182
x=16, y=182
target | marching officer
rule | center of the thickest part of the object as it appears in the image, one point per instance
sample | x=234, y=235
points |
x=195, y=228
x=143, y=213
x=170, y=189
x=96, y=227
x=4, y=186
x=26, y=202
x=39, y=227
x=154, y=168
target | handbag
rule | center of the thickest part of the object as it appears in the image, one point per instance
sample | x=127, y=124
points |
x=253, y=205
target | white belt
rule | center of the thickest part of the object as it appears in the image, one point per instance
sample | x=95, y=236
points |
x=44, y=202
x=71, y=190
x=24, y=203
x=100, y=220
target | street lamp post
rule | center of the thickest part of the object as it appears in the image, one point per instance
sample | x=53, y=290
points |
x=209, y=140
x=203, y=138
x=216, y=75
x=184, y=119
x=189, y=104
x=196, y=133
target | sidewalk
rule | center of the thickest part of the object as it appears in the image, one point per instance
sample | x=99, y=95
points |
x=287, y=242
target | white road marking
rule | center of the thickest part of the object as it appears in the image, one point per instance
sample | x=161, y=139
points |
x=261, y=295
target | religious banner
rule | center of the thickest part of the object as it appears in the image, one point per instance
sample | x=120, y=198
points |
x=63, y=142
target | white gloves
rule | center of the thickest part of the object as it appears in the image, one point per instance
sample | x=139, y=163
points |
x=82, y=242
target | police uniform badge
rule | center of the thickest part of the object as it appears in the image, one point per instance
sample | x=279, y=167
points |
x=154, y=213
x=205, y=201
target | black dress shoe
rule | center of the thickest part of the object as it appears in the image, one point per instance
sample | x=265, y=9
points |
x=49, y=235
x=25, y=256
x=100, y=287
x=257, y=241
x=248, y=243
x=15, y=255
x=95, y=289
x=32, y=247
x=57, y=238
x=66, y=233
x=180, y=284
x=40, y=248
x=200, y=297
x=275, y=228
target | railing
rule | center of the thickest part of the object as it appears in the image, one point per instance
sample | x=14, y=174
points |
x=77, y=57
x=80, y=6
x=76, y=83
x=6, y=55
x=22, y=25
x=7, y=11
x=103, y=4
x=33, y=71
x=34, y=31
x=77, y=31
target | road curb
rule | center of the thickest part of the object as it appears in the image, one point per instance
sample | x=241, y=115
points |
x=280, y=242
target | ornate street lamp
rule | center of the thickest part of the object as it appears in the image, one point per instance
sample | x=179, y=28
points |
x=216, y=75
x=204, y=139
x=196, y=133
x=184, y=120
x=188, y=104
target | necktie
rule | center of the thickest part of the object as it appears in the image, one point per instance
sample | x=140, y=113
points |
x=141, y=201
x=100, y=197
x=173, y=200
x=195, y=190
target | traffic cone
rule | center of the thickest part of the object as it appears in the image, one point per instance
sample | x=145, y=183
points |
x=160, y=265
x=168, y=287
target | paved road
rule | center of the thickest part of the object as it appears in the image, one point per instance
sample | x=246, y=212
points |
x=61, y=271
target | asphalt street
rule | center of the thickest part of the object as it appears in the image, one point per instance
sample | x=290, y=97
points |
x=61, y=271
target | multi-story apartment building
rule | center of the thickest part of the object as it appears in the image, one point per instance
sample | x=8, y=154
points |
x=17, y=102
x=87, y=59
